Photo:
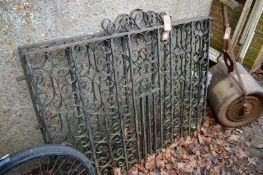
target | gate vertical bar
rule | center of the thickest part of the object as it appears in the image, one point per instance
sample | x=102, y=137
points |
x=171, y=84
x=154, y=141
x=160, y=86
x=71, y=49
x=119, y=105
x=37, y=98
x=191, y=60
x=207, y=67
x=28, y=75
x=133, y=98
x=73, y=79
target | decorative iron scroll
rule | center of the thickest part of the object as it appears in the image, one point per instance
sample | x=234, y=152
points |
x=138, y=19
x=121, y=95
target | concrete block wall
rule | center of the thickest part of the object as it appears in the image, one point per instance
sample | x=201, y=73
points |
x=31, y=21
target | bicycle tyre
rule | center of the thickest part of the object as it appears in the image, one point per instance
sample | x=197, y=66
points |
x=19, y=158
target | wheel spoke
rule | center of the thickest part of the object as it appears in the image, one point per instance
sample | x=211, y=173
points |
x=75, y=170
x=60, y=165
x=54, y=165
x=71, y=166
x=81, y=172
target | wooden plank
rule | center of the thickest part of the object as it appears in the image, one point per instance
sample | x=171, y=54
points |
x=259, y=61
x=249, y=22
x=213, y=54
x=257, y=9
x=241, y=22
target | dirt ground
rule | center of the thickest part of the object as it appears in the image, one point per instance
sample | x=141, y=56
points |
x=212, y=149
x=254, y=133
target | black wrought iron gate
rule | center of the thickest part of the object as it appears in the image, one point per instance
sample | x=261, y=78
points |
x=123, y=93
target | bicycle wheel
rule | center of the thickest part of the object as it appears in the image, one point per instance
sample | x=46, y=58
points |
x=47, y=160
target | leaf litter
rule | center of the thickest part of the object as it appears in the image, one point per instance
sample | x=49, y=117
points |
x=212, y=149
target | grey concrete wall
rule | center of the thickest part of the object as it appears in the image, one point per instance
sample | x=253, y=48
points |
x=30, y=21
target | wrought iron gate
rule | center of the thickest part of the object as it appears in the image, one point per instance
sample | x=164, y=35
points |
x=123, y=93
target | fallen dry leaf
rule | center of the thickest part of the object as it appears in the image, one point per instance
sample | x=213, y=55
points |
x=260, y=146
x=239, y=130
x=241, y=154
x=167, y=154
x=252, y=160
x=117, y=171
x=150, y=163
x=234, y=137
x=180, y=165
x=141, y=168
x=212, y=149
x=200, y=139
x=133, y=171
